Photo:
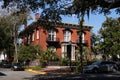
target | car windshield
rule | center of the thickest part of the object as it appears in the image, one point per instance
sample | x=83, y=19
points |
x=96, y=63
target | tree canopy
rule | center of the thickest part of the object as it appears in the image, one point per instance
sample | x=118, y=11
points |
x=9, y=25
x=110, y=37
x=53, y=8
x=5, y=34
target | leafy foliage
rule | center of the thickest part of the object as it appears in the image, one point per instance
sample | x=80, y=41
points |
x=52, y=9
x=110, y=36
x=94, y=43
x=30, y=52
x=14, y=22
x=48, y=55
x=5, y=34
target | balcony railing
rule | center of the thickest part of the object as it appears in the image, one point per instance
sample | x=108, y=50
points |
x=52, y=39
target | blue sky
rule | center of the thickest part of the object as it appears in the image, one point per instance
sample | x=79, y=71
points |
x=94, y=20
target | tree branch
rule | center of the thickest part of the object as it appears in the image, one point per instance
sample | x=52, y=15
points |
x=108, y=4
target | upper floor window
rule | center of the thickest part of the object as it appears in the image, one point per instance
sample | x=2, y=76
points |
x=83, y=36
x=37, y=34
x=52, y=35
x=67, y=35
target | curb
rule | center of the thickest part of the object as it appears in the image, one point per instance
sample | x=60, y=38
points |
x=43, y=72
x=37, y=72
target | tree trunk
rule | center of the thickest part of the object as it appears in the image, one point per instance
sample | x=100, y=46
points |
x=15, y=44
x=15, y=55
x=80, y=44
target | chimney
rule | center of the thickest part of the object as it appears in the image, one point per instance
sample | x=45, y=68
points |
x=37, y=16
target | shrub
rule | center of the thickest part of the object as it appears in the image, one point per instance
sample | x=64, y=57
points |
x=64, y=62
x=75, y=63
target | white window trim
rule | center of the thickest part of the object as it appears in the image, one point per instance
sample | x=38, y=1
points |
x=29, y=39
x=73, y=52
x=33, y=37
x=52, y=35
x=67, y=36
x=64, y=50
x=37, y=34
x=83, y=37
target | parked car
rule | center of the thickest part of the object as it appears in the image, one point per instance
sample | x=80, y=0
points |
x=5, y=64
x=101, y=66
x=17, y=67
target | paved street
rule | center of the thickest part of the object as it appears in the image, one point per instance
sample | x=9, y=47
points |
x=65, y=74
x=105, y=76
x=6, y=74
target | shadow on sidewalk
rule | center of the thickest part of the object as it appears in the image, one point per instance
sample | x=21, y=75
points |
x=57, y=74
x=56, y=70
x=66, y=74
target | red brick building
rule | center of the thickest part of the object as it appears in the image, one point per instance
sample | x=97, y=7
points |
x=56, y=36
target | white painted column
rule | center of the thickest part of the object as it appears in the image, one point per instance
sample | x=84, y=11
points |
x=72, y=52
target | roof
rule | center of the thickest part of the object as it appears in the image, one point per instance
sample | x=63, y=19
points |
x=51, y=24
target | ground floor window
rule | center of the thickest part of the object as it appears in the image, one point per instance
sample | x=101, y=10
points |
x=52, y=48
x=64, y=51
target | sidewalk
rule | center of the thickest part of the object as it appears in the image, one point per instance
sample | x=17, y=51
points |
x=52, y=70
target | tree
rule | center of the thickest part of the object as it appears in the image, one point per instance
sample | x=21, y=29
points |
x=110, y=33
x=6, y=42
x=95, y=43
x=10, y=24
